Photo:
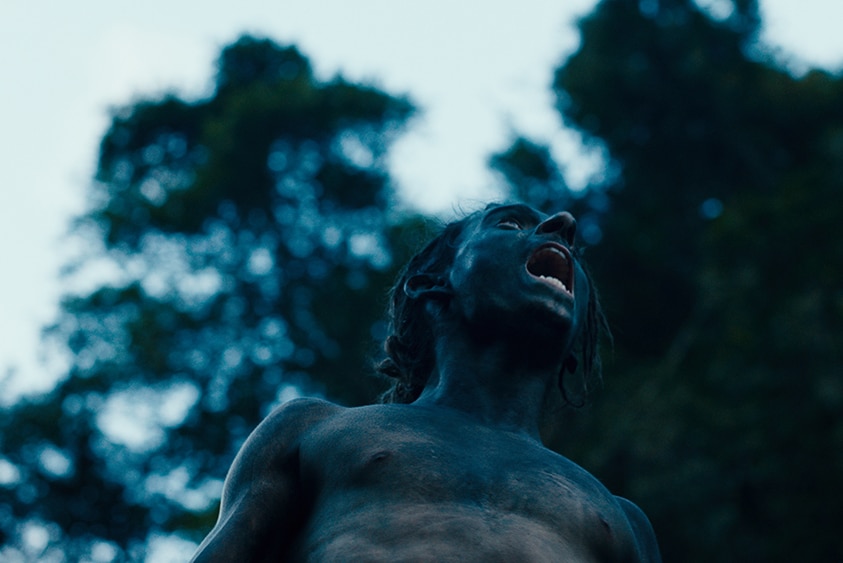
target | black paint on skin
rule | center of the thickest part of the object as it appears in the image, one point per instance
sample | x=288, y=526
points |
x=459, y=473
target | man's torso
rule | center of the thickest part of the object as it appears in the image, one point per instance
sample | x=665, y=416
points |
x=407, y=483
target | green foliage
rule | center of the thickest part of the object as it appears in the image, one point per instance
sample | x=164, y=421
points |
x=719, y=265
x=252, y=245
x=532, y=175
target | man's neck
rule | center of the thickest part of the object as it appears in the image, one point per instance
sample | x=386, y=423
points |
x=497, y=383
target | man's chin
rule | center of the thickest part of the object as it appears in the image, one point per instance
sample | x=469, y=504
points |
x=543, y=329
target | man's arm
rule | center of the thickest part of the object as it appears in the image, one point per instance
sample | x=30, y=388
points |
x=645, y=536
x=262, y=504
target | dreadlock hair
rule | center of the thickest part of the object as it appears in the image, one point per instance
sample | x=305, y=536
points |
x=409, y=347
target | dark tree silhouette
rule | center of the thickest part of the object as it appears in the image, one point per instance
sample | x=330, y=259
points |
x=251, y=237
x=719, y=261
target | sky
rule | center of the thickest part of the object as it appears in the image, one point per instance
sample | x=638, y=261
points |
x=479, y=70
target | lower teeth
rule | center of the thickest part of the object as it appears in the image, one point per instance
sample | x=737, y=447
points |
x=555, y=281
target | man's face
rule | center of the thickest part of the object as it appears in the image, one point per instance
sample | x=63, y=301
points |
x=514, y=272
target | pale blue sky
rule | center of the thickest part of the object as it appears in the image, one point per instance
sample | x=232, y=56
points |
x=478, y=69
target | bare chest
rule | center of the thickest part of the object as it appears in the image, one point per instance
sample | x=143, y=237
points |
x=494, y=475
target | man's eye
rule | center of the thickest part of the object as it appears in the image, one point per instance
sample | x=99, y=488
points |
x=509, y=224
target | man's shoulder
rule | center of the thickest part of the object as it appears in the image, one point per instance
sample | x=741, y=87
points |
x=644, y=534
x=277, y=438
x=307, y=415
x=633, y=512
x=297, y=415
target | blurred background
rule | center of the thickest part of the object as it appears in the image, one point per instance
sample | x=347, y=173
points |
x=203, y=209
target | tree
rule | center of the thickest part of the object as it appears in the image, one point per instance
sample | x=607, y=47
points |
x=250, y=242
x=719, y=263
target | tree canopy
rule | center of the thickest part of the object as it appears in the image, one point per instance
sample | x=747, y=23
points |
x=250, y=237
x=719, y=263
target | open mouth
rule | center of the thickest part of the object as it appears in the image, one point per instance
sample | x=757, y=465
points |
x=551, y=263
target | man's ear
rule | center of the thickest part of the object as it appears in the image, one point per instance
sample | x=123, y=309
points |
x=427, y=285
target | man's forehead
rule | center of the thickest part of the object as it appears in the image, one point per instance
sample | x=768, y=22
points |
x=517, y=209
x=493, y=212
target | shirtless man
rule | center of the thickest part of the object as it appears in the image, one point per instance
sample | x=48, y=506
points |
x=485, y=320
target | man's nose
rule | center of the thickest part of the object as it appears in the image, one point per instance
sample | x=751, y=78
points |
x=562, y=224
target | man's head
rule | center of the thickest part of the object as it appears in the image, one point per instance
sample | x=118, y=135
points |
x=508, y=267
